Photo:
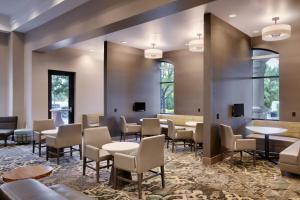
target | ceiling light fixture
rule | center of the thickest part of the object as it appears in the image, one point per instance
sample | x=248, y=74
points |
x=232, y=15
x=196, y=45
x=276, y=31
x=153, y=53
x=124, y=42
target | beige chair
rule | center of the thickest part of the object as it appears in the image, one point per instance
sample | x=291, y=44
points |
x=234, y=143
x=289, y=159
x=150, y=127
x=179, y=135
x=198, y=137
x=92, y=120
x=67, y=136
x=38, y=137
x=149, y=156
x=129, y=129
x=93, y=140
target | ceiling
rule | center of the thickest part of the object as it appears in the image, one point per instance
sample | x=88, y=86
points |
x=174, y=31
x=24, y=15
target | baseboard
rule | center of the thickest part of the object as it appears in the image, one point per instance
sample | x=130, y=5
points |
x=212, y=160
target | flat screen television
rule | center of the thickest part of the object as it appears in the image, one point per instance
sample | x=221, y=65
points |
x=139, y=106
x=238, y=110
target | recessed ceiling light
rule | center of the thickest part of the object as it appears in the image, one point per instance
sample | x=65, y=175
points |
x=124, y=42
x=232, y=15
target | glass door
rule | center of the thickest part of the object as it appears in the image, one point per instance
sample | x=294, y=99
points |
x=61, y=96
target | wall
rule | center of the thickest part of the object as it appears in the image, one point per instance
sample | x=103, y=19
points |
x=129, y=78
x=227, y=79
x=188, y=81
x=4, y=82
x=289, y=72
x=89, y=80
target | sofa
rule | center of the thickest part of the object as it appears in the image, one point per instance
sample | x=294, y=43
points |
x=286, y=144
x=180, y=120
x=34, y=190
x=7, y=127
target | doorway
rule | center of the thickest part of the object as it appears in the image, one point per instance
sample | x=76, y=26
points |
x=61, y=86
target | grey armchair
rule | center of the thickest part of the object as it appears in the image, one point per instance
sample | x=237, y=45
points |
x=198, y=137
x=38, y=137
x=93, y=140
x=67, y=136
x=150, y=155
x=92, y=120
x=150, y=127
x=235, y=143
x=129, y=129
x=179, y=135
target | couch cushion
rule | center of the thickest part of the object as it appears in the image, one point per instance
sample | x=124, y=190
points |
x=291, y=154
x=28, y=189
x=273, y=137
x=69, y=193
x=6, y=131
x=180, y=119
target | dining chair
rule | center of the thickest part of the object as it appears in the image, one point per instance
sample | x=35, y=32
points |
x=129, y=129
x=150, y=127
x=150, y=155
x=234, y=143
x=93, y=140
x=198, y=137
x=92, y=120
x=68, y=135
x=38, y=137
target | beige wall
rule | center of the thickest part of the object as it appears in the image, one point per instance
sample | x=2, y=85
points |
x=4, y=73
x=289, y=62
x=188, y=81
x=89, y=80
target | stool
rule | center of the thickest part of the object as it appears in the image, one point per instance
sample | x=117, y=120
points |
x=23, y=136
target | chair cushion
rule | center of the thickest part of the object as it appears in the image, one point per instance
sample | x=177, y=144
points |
x=183, y=134
x=291, y=154
x=6, y=132
x=69, y=193
x=104, y=155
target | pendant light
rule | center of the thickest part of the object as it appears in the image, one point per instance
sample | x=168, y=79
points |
x=196, y=45
x=276, y=31
x=153, y=53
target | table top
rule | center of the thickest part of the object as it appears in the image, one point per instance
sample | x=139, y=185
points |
x=35, y=172
x=160, y=120
x=266, y=130
x=192, y=123
x=121, y=147
x=50, y=132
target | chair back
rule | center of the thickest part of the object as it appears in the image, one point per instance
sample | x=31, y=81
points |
x=8, y=122
x=69, y=135
x=198, y=135
x=150, y=153
x=123, y=124
x=42, y=125
x=96, y=137
x=150, y=127
x=227, y=137
x=171, y=129
x=91, y=119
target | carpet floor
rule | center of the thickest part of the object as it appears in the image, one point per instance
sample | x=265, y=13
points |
x=186, y=177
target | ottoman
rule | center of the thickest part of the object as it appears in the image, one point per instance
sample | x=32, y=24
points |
x=23, y=136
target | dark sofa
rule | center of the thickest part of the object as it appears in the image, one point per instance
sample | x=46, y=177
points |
x=7, y=127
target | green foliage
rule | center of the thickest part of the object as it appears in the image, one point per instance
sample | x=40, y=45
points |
x=271, y=85
x=60, y=88
x=167, y=87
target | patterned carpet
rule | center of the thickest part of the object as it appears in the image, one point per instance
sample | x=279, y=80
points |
x=186, y=177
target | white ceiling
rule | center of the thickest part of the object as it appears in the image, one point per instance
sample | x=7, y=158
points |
x=24, y=15
x=174, y=31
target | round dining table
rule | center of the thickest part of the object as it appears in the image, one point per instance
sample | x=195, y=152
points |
x=266, y=131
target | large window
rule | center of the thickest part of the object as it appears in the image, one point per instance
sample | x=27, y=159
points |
x=166, y=87
x=265, y=84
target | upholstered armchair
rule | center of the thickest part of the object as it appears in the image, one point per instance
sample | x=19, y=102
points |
x=129, y=129
x=179, y=135
x=289, y=159
x=92, y=120
x=93, y=140
x=198, y=137
x=38, y=137
x=150, y=127
x=7, y=127
x=67, y=136
x=235, y=143
x=150, y=155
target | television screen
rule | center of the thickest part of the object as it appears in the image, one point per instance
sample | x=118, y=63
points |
x=139, y=106
x=238, y=110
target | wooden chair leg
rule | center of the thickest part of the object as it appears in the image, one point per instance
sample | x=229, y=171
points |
x=47, y=153
x=97, y=171
x=84, y=166
x=184, y=143
x=254, y=157
x=115, y=178
x=40, y=149
x=162, y=171
x=33, y=146
x=173, y=144
x=71, y=151
x=195, y=148
x=80, y=152
x=168, y=141
x=241, y=152
x=5, y=142
x=57, y=156
x=107, y=164
x=136, y=136
x=140, y=179
x=191, y=144
x=121, y=136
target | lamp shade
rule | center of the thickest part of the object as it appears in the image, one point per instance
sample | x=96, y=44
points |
x=276, y=32
x=196, y=45
x=153, y=53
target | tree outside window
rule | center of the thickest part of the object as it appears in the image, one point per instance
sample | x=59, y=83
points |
x=166, y=87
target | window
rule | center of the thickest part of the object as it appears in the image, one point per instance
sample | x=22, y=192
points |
x=166, y=87
x=265, y=84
